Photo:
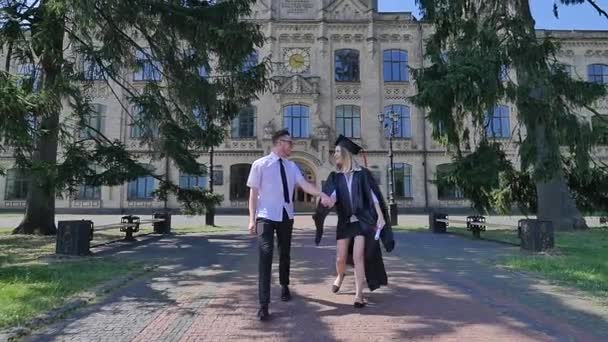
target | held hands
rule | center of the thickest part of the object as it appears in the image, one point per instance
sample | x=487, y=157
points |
x=327, y=201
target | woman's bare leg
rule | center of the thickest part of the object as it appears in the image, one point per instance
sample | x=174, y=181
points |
x=358, y=253
x=341, y=255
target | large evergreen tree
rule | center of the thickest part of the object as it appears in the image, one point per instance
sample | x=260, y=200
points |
x=199, y=53
x=472, y=45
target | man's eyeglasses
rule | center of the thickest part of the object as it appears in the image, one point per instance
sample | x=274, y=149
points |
x=290, y=142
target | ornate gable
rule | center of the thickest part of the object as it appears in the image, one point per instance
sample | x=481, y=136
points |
x=349, y=10
x=261, y=10
x=297, y=85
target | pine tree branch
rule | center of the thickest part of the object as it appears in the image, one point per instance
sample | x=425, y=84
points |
x=598, y=8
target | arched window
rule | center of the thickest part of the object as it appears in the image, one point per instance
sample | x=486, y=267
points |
x=598, y=73
x=243, y=126
x=403, y=126
x=16, y=185
x=395, y=66
x=446, y=190
x=348, y=121
x=347, y=65
x=239, y=191
x=295, y=119
x=498, y=123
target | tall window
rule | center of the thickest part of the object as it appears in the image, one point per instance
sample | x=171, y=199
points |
x=188, y=181
x=598, y=73
x=503, y=74
x=376, y=173
x=141, y=189
x=238, y=182
x=445, y=190
x=243, y=126
x=147, y=69
x=88, y=192
x=250, y=62
x=295, y=119
x=395, y=66
x=16, y=185
x=347, y=65
x=403, y=127
x=30, y=74
x=348, y=121
x=93, y=122
x=140, y=127
x=403, y=180
x=600, y=129
x=218, y=175
x=200, y=117
x=92, y=71
x=498, y=123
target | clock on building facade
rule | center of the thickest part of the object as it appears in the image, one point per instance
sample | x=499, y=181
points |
x=297, y=60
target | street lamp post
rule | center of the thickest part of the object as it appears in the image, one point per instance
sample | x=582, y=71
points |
x=392, y=119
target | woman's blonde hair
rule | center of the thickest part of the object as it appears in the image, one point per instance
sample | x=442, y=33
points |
x=349, y=163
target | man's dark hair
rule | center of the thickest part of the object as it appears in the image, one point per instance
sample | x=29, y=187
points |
x=278, y=135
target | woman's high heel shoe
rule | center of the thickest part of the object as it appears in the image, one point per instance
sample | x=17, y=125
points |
x=335, y=288
x=359, y=305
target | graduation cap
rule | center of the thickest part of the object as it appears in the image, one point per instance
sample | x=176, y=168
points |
x=348, y=144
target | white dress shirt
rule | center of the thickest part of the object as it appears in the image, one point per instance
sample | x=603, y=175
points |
x=265, y=175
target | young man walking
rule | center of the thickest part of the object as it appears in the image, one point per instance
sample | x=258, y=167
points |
x=272, y=180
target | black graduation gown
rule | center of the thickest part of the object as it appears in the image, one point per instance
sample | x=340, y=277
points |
x=363, y=208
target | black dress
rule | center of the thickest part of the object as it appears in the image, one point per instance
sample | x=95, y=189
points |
x=363, y=208
x=349, y=229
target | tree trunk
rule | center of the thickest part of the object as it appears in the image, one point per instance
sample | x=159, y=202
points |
x=40, y=205
x=555, y=202
x=554, y=199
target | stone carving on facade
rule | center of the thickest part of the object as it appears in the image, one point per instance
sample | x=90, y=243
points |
x=602, y=105
x=269, y=130
x=565, y=53
x=396, y=93
x=348, y=92
x=347, y=10
x=596, y=53
x=322, y=131
x=297, y=85
x=260, y=10
x=98, y=90
x=386, y=37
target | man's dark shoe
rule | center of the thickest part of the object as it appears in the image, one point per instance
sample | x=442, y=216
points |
x=263, y=314
x=285, y=294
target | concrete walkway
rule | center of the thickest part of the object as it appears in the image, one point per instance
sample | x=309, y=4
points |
x=441, y=288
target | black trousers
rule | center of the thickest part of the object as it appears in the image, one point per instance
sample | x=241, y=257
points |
x=266, y=229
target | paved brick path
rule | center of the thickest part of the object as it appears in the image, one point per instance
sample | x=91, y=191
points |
x=442, y=288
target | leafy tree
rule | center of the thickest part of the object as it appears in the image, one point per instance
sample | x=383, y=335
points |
x=193, y=55
x=472, y=45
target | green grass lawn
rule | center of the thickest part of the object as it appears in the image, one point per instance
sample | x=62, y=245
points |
x=580, y=259
x=33, y=280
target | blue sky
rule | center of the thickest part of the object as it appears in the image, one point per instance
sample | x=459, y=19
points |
x=580, y=17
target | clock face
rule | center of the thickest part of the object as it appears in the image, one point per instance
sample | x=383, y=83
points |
x=297, y=60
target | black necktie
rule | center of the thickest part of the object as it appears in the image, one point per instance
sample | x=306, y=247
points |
x=284, y=180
